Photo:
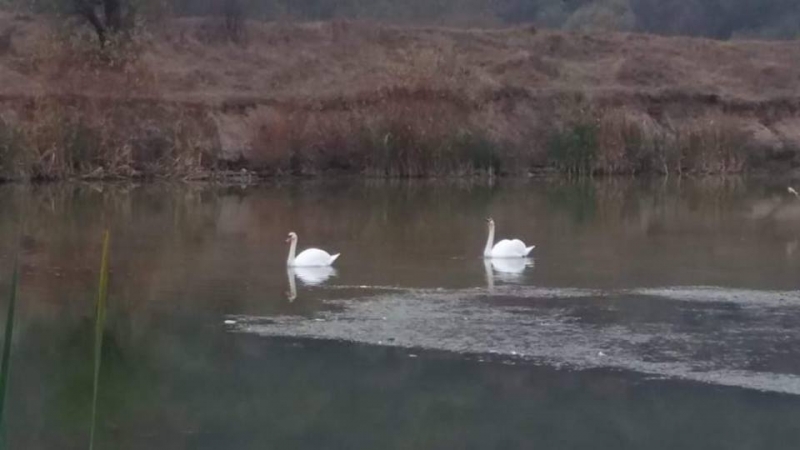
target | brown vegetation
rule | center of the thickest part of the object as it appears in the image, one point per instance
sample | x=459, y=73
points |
x=57, y=139
x=355, y=97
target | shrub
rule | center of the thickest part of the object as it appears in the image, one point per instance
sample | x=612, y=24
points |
x=573, y=148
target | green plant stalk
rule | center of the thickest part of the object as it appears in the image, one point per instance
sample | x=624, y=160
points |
x=99, y=324
x=5, y=366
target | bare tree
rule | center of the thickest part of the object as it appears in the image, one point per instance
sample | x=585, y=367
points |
x=233, y=12
x=104, y=15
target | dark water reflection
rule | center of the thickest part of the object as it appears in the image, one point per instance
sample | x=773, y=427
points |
x=186, y=257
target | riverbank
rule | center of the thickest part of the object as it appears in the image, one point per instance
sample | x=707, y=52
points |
x=182, y=100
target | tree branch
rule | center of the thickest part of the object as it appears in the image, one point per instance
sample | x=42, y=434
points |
x=113, y=13
x=86, y=9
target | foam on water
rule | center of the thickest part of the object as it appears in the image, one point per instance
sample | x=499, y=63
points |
x=745, y=297
x=722, y=336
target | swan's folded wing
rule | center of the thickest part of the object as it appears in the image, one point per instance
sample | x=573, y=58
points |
x=313, y=257
x=509, y=248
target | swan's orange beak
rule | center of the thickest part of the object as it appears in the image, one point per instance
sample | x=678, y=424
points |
x=289, y=239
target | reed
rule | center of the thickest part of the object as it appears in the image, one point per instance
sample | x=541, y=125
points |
x=99, y=324
x=5, y=365
x=394, y=141
x=573, y=149
x=619, y=141
x=85, y=139
x=397, y=138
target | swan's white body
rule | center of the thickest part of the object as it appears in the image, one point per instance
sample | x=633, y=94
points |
x=507, y=248
x=311, y=257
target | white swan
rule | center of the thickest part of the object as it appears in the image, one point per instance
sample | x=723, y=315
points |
x=793, y=192
x=310, y=257
x=506, y=248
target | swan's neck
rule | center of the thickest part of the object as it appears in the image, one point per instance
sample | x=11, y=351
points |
x=487, y=251
x=292, y=248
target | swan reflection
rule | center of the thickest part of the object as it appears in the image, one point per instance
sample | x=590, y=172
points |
x=309, y=276
x=505, y=269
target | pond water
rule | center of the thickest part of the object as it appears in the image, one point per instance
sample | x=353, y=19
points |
x=653, y=314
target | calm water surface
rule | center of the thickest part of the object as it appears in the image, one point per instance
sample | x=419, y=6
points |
x=654, y=314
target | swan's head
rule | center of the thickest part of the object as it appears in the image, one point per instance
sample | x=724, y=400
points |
x=489, y=222
x=292, y=237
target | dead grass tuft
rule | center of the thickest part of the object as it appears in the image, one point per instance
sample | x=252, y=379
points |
x=388, y=141
x=61, y=139
x=71, y=60
x=621, y=141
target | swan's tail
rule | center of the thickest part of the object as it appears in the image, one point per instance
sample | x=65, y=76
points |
x=528, y=249
x=333, y=257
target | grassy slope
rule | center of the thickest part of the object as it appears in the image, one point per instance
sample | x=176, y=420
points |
x=514, y=85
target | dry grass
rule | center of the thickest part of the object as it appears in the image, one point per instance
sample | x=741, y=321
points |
x=621, y=141
x=712, y=144
x=60, y=139
x=363, y=98
x=388, y=141
x=69, y=58
x=114, y=132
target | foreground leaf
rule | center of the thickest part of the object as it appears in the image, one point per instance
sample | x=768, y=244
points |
x=5, y=365
x=99, y=324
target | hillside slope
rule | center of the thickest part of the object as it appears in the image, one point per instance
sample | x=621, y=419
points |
x=290, y=87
